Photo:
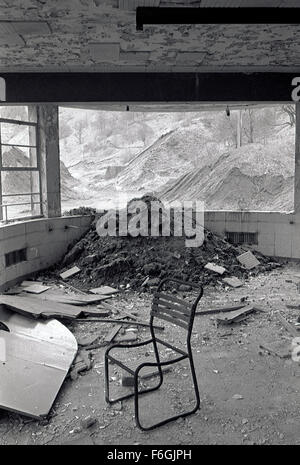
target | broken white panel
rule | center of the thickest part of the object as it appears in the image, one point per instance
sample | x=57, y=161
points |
x=38, y=357
x=248, y=260
x=216, y=268
x=104, y=51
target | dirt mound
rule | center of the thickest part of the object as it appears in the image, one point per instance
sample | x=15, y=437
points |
x=255, y=176
x=131, y=260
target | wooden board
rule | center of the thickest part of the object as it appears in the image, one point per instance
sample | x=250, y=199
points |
x=235, y=316
x=112, y=334
x=36, y=307
x=36, y=288
x=288, y=326
x=212, y=311
x=216, y=268
x=71, y=272
x=104, y=290
x=72, y=299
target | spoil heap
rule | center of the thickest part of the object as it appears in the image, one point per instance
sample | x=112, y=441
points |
x=130, y=260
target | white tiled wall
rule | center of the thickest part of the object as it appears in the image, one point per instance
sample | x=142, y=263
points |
x=46, y=240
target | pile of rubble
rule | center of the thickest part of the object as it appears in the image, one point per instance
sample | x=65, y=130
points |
x=141, y=262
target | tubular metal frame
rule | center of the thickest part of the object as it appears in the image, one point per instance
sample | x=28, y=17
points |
x=154, y=340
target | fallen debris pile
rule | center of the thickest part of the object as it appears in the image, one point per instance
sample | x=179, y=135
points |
x=140, y=262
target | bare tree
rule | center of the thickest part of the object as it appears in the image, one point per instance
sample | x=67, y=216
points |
x=290, y=111
x=79, y=129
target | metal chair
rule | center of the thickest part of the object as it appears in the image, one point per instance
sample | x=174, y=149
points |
x=179, y=312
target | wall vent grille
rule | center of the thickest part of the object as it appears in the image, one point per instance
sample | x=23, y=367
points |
x=238, y=238
x=16, y=256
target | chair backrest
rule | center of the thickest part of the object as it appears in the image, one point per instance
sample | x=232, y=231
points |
x=173, y=309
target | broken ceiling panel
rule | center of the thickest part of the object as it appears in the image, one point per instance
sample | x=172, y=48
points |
x=36, y=357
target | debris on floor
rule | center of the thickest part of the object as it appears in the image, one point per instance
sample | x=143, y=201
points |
x=233, y=281
x=104, y=290
x=279, y=349
x=292, y=329
x=140, y=262
x=112, y=334
x=35, y=288
x=71, y=272
x=216, y=268
x=236, y=315
x=82, y=362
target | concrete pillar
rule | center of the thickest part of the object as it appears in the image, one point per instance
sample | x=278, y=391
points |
x=33, y=162
x=1, y=208
x=297, y=162
x=48, y=141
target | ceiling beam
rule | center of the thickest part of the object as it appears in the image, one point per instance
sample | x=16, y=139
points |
x=148, y=87
x=182, y=15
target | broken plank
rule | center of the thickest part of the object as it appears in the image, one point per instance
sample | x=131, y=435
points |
x=31, y=306
x=72, y=299
x=216, y=268
x=110, y=320
x=235, y=316
x=288, y=326
x=275, y=351
x=213, y=311
x=95, y=312
x=36, y=288
x=116, y=310
x=104, y=290
x=112, y=334
x=71, y=272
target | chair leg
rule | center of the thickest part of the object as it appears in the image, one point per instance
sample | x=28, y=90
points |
x=128, y=396
x=175, y=417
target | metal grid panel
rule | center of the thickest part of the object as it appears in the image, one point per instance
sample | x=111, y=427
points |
x=24, y=169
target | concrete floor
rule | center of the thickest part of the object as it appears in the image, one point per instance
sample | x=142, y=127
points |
x=228, y=362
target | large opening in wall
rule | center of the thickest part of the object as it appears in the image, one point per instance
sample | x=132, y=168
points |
x=235, y=157
x=20, y=191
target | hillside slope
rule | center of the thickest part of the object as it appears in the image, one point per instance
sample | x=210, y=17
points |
x=19, y=181
x=255, y=176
